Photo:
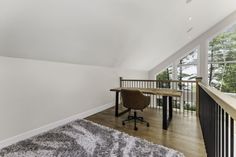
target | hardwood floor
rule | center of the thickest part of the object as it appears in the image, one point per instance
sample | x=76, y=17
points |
x=184, y=133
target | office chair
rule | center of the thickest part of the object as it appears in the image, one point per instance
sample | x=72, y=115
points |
x=134, y=100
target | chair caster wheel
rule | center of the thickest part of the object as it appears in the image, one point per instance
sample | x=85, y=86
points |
x=135, y=128
x=148, y=125
x=123, y=123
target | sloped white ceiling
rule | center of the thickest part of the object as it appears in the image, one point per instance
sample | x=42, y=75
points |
x=135, y=34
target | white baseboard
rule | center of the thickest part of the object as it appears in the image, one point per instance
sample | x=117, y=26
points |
x=50, y=126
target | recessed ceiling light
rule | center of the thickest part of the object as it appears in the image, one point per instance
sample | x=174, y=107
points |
x=190, y=29
x=188, y=1
x=190, y=18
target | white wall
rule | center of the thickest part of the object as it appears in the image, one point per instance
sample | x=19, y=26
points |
x=35, y=93
x=201, y=41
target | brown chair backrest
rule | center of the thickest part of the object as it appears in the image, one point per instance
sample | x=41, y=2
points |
x=134, y=99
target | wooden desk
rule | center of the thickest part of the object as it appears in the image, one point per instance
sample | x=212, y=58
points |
x=165, y=92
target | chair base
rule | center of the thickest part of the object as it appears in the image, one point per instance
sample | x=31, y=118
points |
x=135, y=118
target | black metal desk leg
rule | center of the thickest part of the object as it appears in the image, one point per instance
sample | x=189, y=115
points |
x=170, y=108
x=117, y=105
x=164, y=115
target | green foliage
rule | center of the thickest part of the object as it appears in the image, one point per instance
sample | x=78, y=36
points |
x=229, y=79
x=223, y=47
x=188, y=66
x=222, y=57
x=163, y=75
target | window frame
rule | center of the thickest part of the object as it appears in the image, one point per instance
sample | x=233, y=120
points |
x=208, y=47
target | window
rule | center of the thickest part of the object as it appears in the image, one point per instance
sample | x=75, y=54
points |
x=222, y=61
x=167, y=74
x=187, y=67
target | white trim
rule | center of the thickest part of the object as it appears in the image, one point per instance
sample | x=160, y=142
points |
x=225, y=29
x=199, y=61
x=28, y=134
x=187, y=53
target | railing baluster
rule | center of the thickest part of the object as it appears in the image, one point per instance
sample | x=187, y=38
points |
x=231, y=137
x=216, y=130
x=187, y=99
x=212, y=132
x=194, y=108
x=227, y=134
x=223, y=133
x=183, y=96
x=153, y=96
x=220, y=124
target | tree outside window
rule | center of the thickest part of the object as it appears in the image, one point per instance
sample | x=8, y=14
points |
x=166, y=74
x=222, y=61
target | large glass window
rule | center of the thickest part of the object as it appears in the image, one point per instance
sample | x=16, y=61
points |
x=187, y=67
x=222, y=61
x=166, y=74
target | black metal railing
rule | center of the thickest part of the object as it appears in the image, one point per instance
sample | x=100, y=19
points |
x=217, y=125
x=186, y=103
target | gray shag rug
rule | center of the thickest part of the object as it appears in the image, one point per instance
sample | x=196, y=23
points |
x=83, y=138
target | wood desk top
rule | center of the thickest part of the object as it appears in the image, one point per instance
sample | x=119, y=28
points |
x=154, y=91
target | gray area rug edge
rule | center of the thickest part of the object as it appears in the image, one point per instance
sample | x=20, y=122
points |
x=54, y=146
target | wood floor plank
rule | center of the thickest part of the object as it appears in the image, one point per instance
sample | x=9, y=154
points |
x=184, y=133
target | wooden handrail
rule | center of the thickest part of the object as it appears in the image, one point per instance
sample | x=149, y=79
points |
x=228, y=103
x=159, y=80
